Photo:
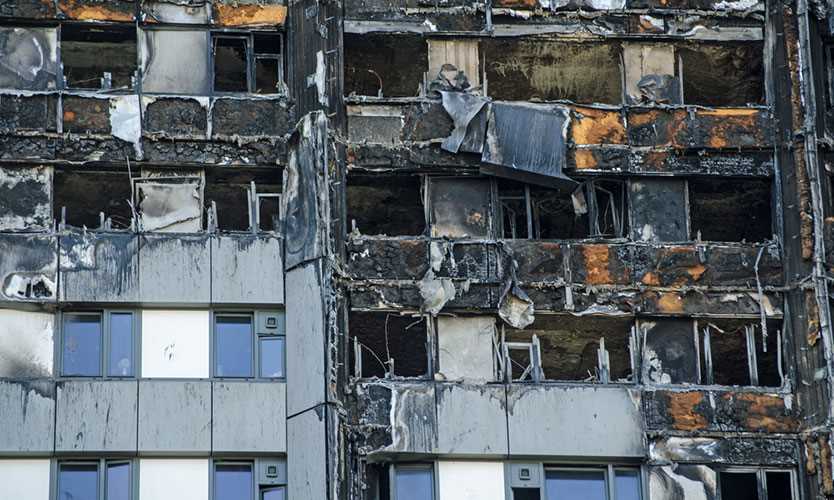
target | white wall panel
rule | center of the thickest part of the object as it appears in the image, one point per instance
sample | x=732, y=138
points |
x=26, y=343
x=174, y=479
x=175, y=344
x=470, y=480
x=465, y=348
x=24, y=479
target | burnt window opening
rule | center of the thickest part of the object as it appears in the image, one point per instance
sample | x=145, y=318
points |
x=722, y=74
x=243, y=199
x=595, y=209
x=98, y=57
x=736, y=352
x=252, y=62
x=377, y=482
x=569, y=348
x=384, y=65
x=756, y=484
x=544, y=70
x=93, y=199
x=268, y=63
x=169, y=202
x=385, y=205
x=231, y=73
x=460, y=207
x=388, y=345
x=730, y=209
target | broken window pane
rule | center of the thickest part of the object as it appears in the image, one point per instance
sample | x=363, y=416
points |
x=233, y=481
x=98, y=57
x=414, y=483
x=230, y=68
x=739, y=485
x=230, y=191
x=390, y=343
x=233, y=346
x=268, y=63
x=741, y=205
x=730, y=357
x=779, y=485
x=170, y=204
x=722, y=74
x=120, y=362
x=86, y=194
x=627, y=484
x=573, y=484
x=271, y=357
x=387, y=65
x=460, y=207
x=78, y=481
x=390, y=205
x=118, y=481
x=82, y=336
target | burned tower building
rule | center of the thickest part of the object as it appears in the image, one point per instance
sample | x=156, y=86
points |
x=416, y=249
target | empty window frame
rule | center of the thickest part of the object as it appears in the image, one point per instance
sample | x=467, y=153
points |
x=595, y=209
x=247, y=345
x=412, y=482
x=725, y=209
x=736, y=352
x=569, y=348
x=101, y=343
x=250, y=62
x=390, y=345
x=244, y=199
x=258, y=479
x=101, y=479
x=386, y=205
x=387, y=65
x=756, y=484
x=601, y=482
x=722, y=74
x=93, y=199
x=95, y=57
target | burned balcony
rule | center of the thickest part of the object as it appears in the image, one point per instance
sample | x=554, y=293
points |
x=94, y=199
x=387, y=345
x=98, y=58
x=385, y=205
x=244, y=200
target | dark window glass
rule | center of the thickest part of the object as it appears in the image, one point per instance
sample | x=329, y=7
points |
x=574, y=484
x=272, y=357
x=117, y=483
x=526, y=494
x=739, y=486
x=82, y=345
x=230, y=65
x=233, y=482
x=279, y=493
x=78, y=481
x=266, y=75
x=779, y=485
x=233, y=346
x=627, y=484
x=120, y=362
x=414, y=483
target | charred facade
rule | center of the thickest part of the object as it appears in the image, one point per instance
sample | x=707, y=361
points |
x=370, y=250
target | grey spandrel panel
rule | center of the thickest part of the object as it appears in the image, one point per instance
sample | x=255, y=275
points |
x=174, y=416
x=29, y=409
x=249, y=417
x=101, y=267
x=96, y=416
x=460, y=434
x=307, y=445
x=29, y=268
x=175, y=269
x=247, y=269
x=305, y=338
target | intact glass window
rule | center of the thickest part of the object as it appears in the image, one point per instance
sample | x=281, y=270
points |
x=120, y=359
x=572, y=484
x=82, y=480
x=413, y=482
x=274, y=493
x=98, y=343
x=233, y=346
x=233, y=481
x=272, y=357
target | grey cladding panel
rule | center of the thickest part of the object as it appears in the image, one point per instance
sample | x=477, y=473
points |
x=174, y=269
x=575, y=421
x=249, y=417
x=27, y=417
x=305, y=338
x=100, y=267
x=246, y=269
x=174, y=416
x=307, y=445
x=28, y=268
x=659, y=210
x=96, y=416
x=471, y=419
x=413, y=419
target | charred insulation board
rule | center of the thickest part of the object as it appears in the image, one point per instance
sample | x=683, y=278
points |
x=28, y=58
x=659, y=210
x=670, y=355
x=25, y=198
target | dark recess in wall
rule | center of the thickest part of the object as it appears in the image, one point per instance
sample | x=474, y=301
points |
x=398, y=63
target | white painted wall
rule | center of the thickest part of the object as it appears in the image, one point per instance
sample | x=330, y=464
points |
x=175, y=344
x=173, y=479
x=465, y=348
x=26, y=343
x=24, y=479
x=470, y=480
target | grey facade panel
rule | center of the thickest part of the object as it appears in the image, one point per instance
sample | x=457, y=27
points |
x=458, y=433
x=29, y=268
x=305, y=338
x=246, y=269
x=96, y=416
x=249, y=417
x=100, y=267
x=174, y=416
x=307, y=449
x=174, y=269
x=27, y=417
x=659, y=210
x=575, y=421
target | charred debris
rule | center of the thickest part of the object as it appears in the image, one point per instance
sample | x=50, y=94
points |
x=516, y=237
